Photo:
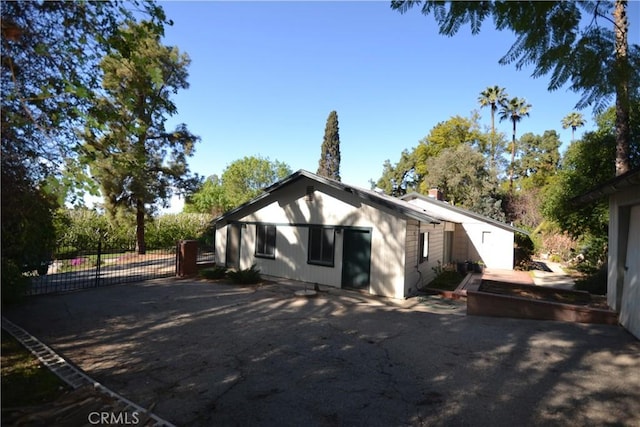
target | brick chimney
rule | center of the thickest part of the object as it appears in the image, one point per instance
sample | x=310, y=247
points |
x=434, y=193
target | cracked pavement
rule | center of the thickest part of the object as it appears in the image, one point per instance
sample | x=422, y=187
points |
x=206, y=353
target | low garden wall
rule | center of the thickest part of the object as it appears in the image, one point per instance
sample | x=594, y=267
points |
x=536, y=302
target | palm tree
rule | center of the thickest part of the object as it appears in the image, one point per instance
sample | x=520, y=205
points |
x=495, y=97
x=514, y=109
x=573, y=120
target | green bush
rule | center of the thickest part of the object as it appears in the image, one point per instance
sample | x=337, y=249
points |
x=83, y=228
x=523, y=250
x=14, y=284
x=246, y=276
x=595, y=283
x=165, y=230
x=213, y=272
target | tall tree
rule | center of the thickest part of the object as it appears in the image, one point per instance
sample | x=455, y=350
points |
x=329, y=164
x=514, y=110
x=450, y=133
x=244, y=179
x=461, y=174
x=136, y=161
x=50, y=56
x=573, y=120
x=494, y=97
x=241, y=181
x=540, y=159
x=399, y=179
x=583, y=44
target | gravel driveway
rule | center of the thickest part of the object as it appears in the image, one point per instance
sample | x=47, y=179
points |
x=215, y=354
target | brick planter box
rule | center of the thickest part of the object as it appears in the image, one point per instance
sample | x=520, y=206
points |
x=485, y=303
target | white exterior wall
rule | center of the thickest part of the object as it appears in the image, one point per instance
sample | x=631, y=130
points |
x=292, y=214
x=491, y=244
x=623, y=284
x=475, y=240
x=419, y=274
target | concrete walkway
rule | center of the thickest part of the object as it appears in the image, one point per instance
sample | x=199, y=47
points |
x=552, y=275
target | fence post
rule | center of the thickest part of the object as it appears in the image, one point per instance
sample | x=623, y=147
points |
x=187, y=258
x=98, y=262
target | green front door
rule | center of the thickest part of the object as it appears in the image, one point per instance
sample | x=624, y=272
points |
x=356, y=258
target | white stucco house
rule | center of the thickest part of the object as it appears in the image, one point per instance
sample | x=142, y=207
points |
x=623, y=278
x=318, y=230
x=475, y=237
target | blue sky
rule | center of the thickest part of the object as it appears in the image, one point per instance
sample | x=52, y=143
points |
x=265, y=75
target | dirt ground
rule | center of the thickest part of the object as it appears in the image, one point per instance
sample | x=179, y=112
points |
x=215, y=354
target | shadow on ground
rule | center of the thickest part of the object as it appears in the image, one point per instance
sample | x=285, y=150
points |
x=215, y=354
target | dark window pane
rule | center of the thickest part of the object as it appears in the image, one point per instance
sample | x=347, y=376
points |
x=327, y=245
x=265, y=240
x=315, y=244
x=271, y=240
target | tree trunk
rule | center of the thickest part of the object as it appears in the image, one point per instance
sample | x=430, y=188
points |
x=513, y=157
x=622, y=88
x=141, y=246
x=493, y=138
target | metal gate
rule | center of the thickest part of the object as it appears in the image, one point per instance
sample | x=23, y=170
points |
x=89, y=268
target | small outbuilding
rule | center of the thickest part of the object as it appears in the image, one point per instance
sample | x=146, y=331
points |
x=474, y=237
x=623, y=279
x=317, y=230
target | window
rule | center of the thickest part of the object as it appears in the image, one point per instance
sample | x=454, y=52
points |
x=321, y=246
x=265, y=241
x=423, y=250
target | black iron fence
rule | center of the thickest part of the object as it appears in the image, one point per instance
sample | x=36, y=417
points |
x=73, y=269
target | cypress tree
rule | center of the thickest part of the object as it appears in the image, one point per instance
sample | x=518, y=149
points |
x=329, y=165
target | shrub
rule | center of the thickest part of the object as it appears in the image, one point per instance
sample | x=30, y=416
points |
x=14, y=283
x=165, y=230
x=213, y=272
x=523, y=251
x=246, y=276
x=595, y=283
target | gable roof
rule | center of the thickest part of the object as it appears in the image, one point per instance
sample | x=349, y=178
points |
x=373, y=198
x=457, y=210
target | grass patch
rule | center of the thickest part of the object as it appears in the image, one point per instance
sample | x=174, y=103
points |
x=25, y=381
x=446, y=281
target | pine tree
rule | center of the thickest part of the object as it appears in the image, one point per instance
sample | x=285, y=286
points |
x=329, y=165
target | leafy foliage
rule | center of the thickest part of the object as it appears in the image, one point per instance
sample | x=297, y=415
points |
x=329, y=164
x=129, y=152
x=552, y=36
x=82, y=228
x=448, y=134
x=247, y=276
x=241, y=181
x=493, y=97
x=460, y=173
x=594, y=283
x=399, y=179
x=209, y=198
x=213, y=273
x=580, y=44
x=539, y=159
x=586, y=164
x=165, y=230
x=573, y=120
